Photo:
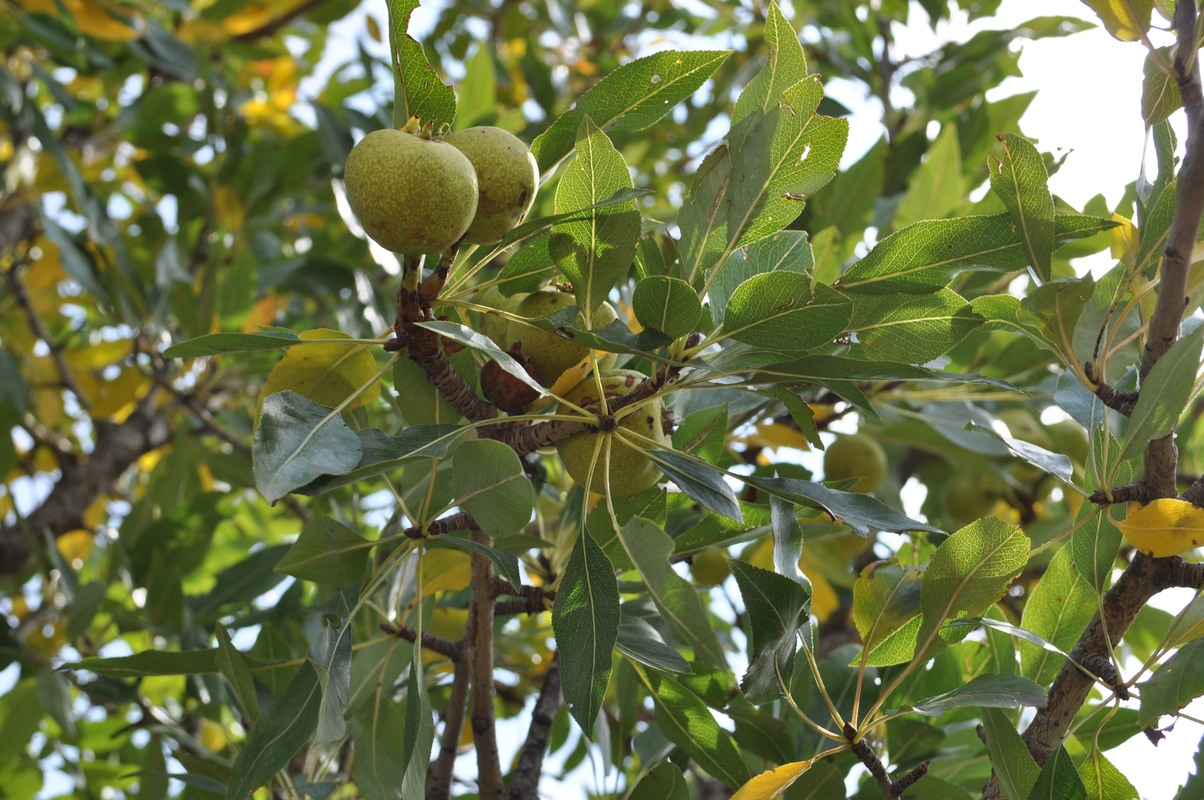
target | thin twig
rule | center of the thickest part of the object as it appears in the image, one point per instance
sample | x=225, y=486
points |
x=460, y=521
x=17, y=287
x=436, y=644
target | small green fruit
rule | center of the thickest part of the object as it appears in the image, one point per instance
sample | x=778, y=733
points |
x=413, y=195
x=970, y=496
x=506, y=174
x=552, y=354
x=855, y=456
x=1071, y=440
x=495, y=326
x=710, y=567
x=1027, y=428
x=631, y=470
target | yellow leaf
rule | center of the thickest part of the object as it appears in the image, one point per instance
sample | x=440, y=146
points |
x=327, y=373
x=262, y=313
x=1127, y=20
x=444, y=570
x=824, y=600
x=1165, y=527
x=213, y=735
x=75, y=546
x=775, y=435
x=769, y=785
x=100, y=20
x=1125, y=240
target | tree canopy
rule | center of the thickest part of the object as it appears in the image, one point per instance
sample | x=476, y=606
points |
x=737, y=467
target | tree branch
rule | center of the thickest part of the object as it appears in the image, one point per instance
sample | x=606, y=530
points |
x=436, y=644
x=443, y=767
x=524, y=780
x=1141, y=580
x=480, y=627
x=17, y=287
x=117, y=447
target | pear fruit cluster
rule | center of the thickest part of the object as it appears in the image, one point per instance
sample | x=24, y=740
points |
x=416, y=194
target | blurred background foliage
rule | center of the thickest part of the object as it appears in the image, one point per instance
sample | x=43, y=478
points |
x=170, y=169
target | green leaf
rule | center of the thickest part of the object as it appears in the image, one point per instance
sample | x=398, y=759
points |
x=330, y=655
x=326, y=552
x=860, y=512
x=298, y=441
x=234, y=667
x=702, y=483
x=585, y=621
x=785, y=66
x=936, y=188
x=642, y=643
x=784, y=312
x=666, y=304
x=489, y=483
x=1159, y=91
x=1019, y=179
x=986, y=691
x=217, y=343
x=631, y=98
x=1103, y=780
x=1015, y=769
x=595, y=250
x=151, y=662
x=649, y=549
x=1127, y=20
x=379, y=765
x=1059, y=780
x=925, y=255
x=787, y=541
x=417, y=89
x=1164, y=393
x=777, y=609
x=505, y=563
x=886, y=611
x=1174, y=684
x=686, y=721
x=915, y=328
x=1156, y=227
x=1058, y=610
x=663, y=782
x=419, y=731
x=470, y=338
x=969, y=572
x=382, y=452
x=779, y=157
x=283, y=728
x=786, y=250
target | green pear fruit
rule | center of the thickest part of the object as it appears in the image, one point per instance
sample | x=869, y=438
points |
x=631, y=470
x=552, y=354
x=855, y=456
x=413, y=195
x=969, y=496
x=495, y=326
x=507, y=176
x=710, y=567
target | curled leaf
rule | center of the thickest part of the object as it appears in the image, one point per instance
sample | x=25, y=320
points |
x=1165, y=527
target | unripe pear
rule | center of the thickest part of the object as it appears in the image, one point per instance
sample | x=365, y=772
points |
x=413, y=195
x=855, y=456
x=495, y=326
x=552, y=354
x=507, y=177
x=710, y=567
x=631, y=469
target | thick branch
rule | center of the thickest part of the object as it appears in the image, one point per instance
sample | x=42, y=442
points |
x=1141, y=580
x=443, y=767
x=524, y=781
x=459, y=521
x=1189, y=206
x=480, y=625
x=117, y=447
